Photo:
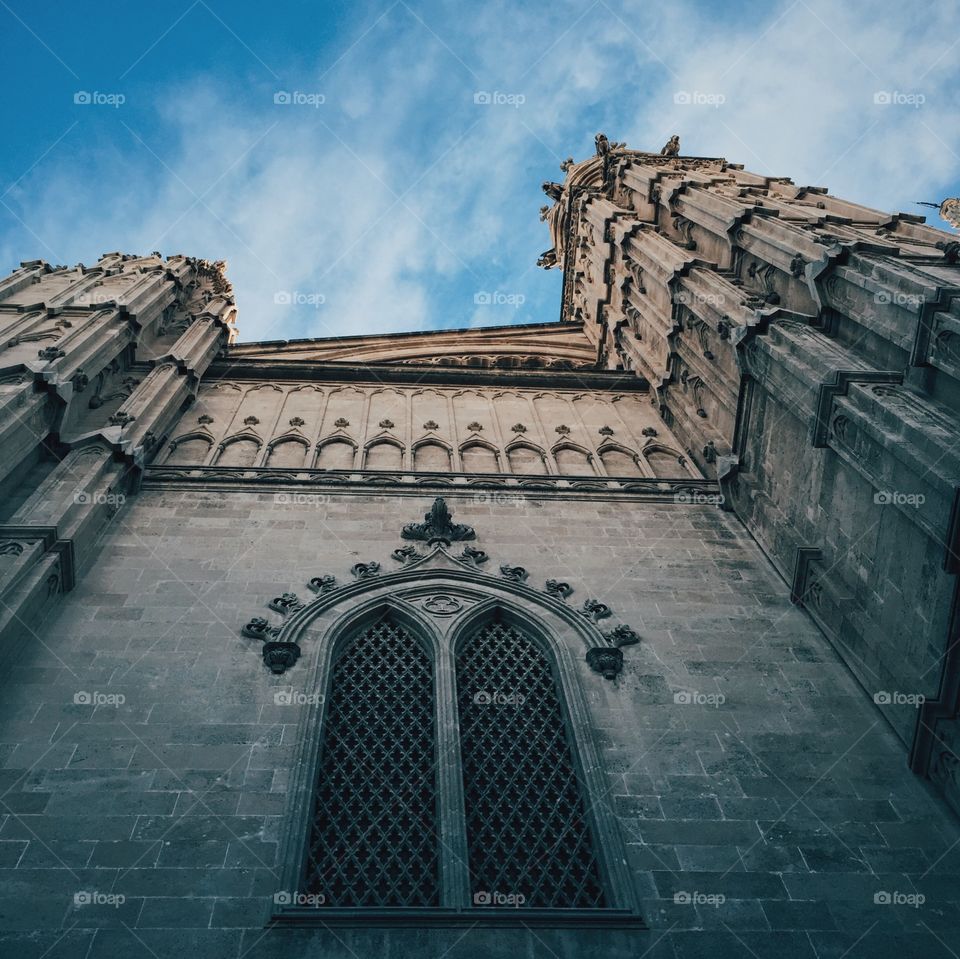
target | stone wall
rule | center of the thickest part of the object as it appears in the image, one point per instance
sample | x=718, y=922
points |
x=803, y=349
x=146, y=755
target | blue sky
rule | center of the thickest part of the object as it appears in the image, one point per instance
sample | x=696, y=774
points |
x=381, y=196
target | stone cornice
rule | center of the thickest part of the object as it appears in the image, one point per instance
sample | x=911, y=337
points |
x=226, y=368
x=495, y=487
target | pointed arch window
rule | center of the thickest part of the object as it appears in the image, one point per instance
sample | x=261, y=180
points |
x=373, y=839
x=448, y=786
x=527, y=830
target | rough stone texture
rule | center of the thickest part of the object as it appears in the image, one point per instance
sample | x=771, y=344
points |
x=777, y=786
x=804, y=350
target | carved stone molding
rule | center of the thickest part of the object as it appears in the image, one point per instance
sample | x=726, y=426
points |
x=557, y=588
x=594, y=610
x=406, y=554
x=515, y=573
x=838, y=386
x=322, y=584
x=474, y=555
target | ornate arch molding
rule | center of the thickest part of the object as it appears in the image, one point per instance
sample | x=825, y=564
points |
x=446, y=588
x=442, y=599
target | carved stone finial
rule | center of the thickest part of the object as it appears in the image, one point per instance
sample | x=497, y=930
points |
x=548, y=259
x=438, y=526
x=553, y=190
x=602, y=144
x=672, y=147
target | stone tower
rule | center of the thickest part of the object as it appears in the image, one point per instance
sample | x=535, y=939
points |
x=609, y=636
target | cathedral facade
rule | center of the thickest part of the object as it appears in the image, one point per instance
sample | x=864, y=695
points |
x=631, y=633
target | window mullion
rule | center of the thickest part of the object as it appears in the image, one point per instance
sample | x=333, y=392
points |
x=454, y=864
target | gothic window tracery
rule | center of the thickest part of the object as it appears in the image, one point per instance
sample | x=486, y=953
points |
x=519, y=834
x=374, y=836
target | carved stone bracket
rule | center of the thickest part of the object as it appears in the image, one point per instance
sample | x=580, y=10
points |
x=606, y=660
x=280, y=656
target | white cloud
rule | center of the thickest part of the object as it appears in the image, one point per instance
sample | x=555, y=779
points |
x=312, y=205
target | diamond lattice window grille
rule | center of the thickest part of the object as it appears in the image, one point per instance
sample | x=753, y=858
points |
x=374, y=838
x=527, y=829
